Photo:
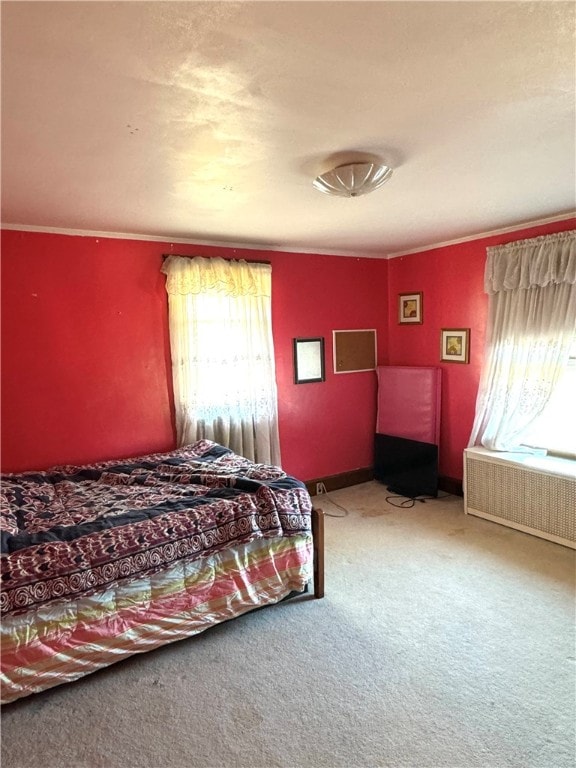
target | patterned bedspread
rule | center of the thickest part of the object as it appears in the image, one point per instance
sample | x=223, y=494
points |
x=75, y=529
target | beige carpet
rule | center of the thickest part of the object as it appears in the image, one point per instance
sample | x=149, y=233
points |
x=443, y=641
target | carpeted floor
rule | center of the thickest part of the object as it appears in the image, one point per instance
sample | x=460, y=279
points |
x=443, y=641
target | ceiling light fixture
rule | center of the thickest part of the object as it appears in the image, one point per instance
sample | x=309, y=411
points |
x=352, y=179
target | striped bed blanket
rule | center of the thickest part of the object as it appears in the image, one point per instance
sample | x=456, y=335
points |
x=104, y=560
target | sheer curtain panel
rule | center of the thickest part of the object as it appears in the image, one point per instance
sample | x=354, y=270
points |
x=531, y=325
x=224, y=379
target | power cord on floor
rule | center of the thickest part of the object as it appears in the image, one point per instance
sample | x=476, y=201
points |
x=410, y=501
x=407, y=501
x=322, y=489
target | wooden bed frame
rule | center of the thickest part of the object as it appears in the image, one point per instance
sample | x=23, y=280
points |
x=318, y=537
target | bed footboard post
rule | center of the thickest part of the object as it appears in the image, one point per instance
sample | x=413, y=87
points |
x=318, y=536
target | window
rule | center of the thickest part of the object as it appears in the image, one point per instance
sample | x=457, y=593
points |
x=525, y=394
x=555, y=428
x=222, y=349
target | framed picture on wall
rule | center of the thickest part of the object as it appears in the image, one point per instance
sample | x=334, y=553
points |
x=454, y=345
x=308, y=360
x=409, y=308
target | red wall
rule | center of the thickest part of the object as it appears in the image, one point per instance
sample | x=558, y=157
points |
x=452, y=282
x=85, y=351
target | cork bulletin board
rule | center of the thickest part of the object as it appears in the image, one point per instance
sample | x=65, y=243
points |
x=354, y=351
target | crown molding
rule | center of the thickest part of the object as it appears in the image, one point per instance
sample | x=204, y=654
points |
x=279, y=249
x=186, y=241
x=483, y=235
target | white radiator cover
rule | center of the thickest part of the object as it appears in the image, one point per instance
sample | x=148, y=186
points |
x=536, y=495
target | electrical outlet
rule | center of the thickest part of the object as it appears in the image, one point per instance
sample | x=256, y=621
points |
x=320, y=489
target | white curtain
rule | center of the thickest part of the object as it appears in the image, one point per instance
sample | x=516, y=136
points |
x=220, y=319
x=531, y=324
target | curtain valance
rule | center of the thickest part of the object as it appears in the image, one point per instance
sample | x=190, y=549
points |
x=230, y=278
x=540, y=261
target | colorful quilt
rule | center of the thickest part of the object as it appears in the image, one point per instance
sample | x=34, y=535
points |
x=106, y=560
x=75, y=529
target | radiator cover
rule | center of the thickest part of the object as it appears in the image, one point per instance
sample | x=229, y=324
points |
x=540, y=500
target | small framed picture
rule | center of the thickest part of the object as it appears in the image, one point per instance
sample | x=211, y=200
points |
x=454, y=345
x=409, y=308
x=308, y=360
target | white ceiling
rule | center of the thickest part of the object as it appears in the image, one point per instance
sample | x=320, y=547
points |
x=208, y=121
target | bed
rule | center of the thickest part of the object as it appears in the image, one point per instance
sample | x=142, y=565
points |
x=106, y=560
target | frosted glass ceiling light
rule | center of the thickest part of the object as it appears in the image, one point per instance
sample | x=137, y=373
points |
x=352, y=179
